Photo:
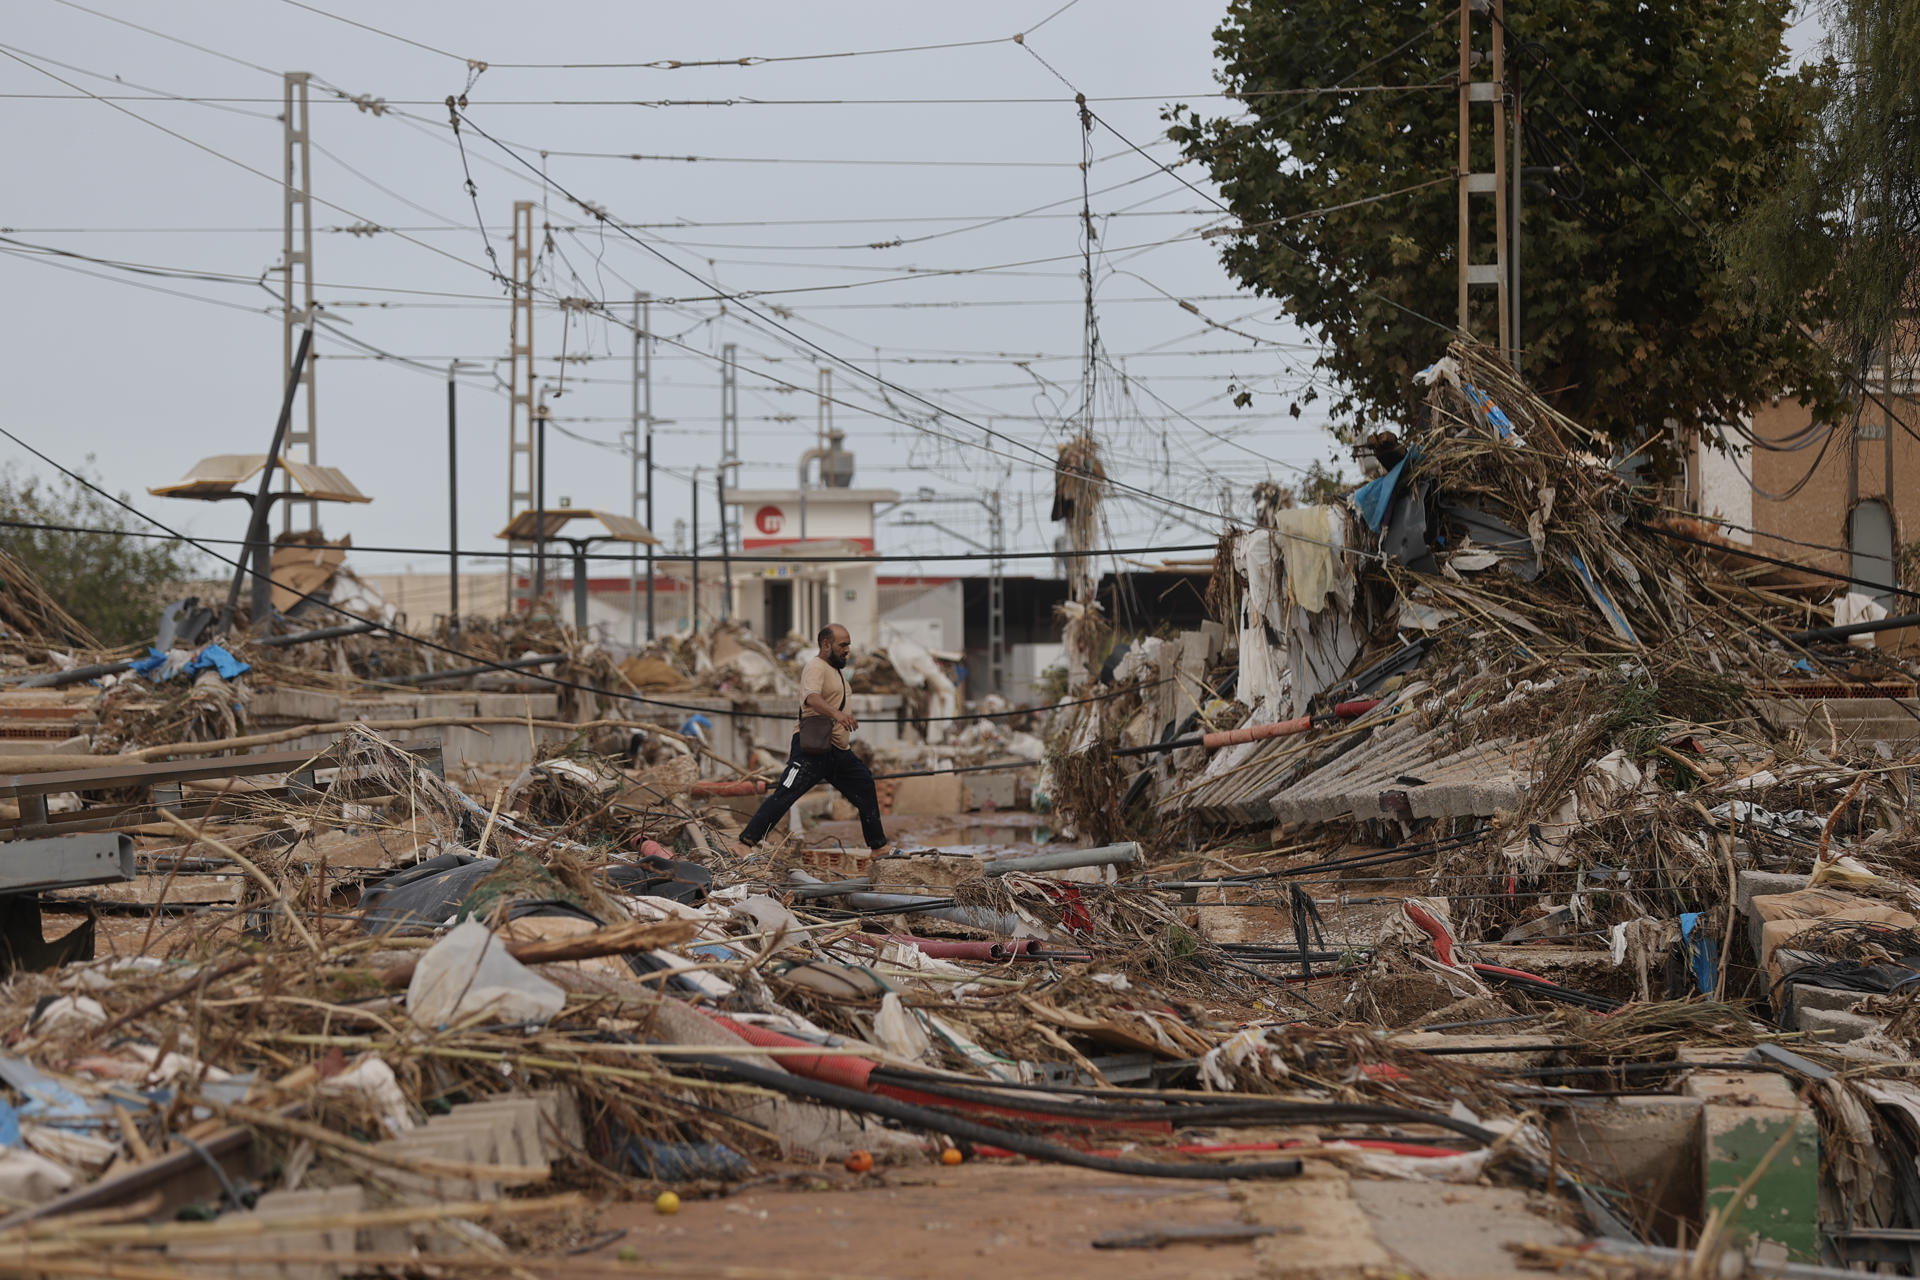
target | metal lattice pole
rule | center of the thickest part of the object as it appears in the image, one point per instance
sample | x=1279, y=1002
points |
x=520, y=414
x=296, y=290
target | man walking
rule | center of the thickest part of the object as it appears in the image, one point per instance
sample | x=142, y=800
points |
x=822, y=747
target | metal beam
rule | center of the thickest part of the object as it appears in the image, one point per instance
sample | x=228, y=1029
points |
x=66, y=862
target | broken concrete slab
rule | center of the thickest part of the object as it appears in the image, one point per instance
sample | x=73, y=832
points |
x=1452, y=1232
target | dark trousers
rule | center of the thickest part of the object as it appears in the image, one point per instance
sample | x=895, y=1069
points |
x=803, y=773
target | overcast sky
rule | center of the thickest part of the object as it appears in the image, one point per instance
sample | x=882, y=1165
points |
x=144, y=374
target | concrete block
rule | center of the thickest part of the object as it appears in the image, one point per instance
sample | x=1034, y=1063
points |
x=205, y=1257
x=426, y=1188
x=560, y=1117
x=487, y=1140
x=997, y=790
x=540, y=706
x=1835, y=1026
x=1748, y=885
x=518, y=1120
x=294, y=705
x=449, y=704
x=1648, y=1147
x=1745, y=1116
x=943, y=794
x=1811, y=997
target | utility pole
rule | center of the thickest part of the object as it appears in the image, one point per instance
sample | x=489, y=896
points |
x=1489, y=93
x=823, y=429
x=520, y=416
x=1516, y=179
x=729, y=457
x=296, y=286
x=640, y=398
x=644, y=335
x=539, y=504
x=453, y=515
x=996, y=596
x=693, y=625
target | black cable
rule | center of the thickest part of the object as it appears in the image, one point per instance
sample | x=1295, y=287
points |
x=659, y=557
x=932, y=1121
x=859, y=370
x=1249, y=1113
x=1747, y=554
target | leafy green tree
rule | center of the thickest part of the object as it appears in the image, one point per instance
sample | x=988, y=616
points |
x=1843, y=224
x=112, y=585
x=1630, y=317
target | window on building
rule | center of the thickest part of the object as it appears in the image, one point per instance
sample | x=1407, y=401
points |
x=1870, y=539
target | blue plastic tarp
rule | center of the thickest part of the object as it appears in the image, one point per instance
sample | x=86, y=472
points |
x=161, y=667
x=1374, y=499
x=1699, y=953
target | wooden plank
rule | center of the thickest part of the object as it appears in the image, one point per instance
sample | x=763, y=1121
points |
x=185, y=891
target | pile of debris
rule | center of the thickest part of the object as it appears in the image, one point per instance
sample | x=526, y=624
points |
x=1508, y=835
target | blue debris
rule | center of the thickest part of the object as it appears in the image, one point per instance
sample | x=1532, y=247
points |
x=1374, y=499
x=161, y=667
x=1699, y=953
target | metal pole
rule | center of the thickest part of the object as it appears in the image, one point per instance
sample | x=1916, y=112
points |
x=580, y=586
x=696, y=624
x=729, y=457
x=539, y=506
x=1517, y=176
x=257, y=523
x=633, y=458
x=996, y=598
x=726, y=550
x=453, y=516
x=646, y=387
x=296, y=275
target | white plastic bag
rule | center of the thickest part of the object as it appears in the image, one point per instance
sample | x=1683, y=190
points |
x=469, y=971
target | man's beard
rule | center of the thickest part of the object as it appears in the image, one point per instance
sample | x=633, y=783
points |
x=837, y=661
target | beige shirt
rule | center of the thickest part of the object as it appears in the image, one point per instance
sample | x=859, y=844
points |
x=819, y=676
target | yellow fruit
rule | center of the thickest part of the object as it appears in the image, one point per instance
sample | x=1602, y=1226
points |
x=667, y=1203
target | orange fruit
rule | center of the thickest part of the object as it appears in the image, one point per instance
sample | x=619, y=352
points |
x=951, y=1156
x=860, y=1162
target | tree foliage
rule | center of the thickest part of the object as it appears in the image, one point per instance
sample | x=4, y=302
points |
x=1630, y=317
x=113, y=585
x=1843, y=225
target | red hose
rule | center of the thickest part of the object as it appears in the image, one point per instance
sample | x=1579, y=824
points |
x=845, y=1070
x=1442, y=940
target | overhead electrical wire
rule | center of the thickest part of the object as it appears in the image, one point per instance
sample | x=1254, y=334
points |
x=421, y=642
x=832, y=356
x=730, y=297
x=624, y=557
x=662, y=103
